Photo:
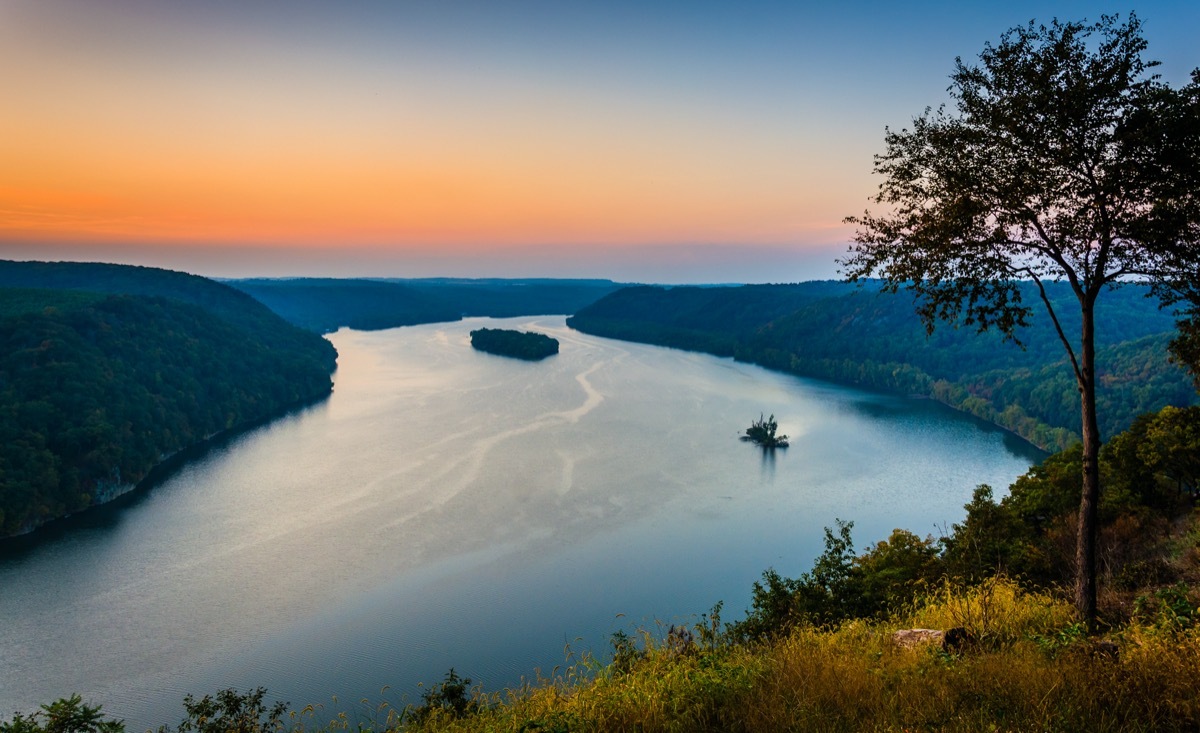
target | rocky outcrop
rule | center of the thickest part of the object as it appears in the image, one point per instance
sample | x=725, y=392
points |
x=950, y=640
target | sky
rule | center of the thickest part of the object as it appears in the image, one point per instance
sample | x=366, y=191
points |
x=669, y=142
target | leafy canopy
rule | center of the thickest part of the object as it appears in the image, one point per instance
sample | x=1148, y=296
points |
x=1063, y=157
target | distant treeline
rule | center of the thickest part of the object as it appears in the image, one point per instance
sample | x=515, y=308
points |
x=837, y=331
x=517, y=344
x=106, y=370
x=325, y=305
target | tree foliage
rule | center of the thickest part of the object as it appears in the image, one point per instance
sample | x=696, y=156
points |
x=517, y=344
x=1064, y=158
x=764, y=432
x=1061, y=160
x=1026, y=534
x=230, y=711
x=67, y=715
x=449, y=699
x=842, y=585
x=325, y=304
x=97, y=389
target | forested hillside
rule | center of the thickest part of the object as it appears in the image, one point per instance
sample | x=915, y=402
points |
x=838, y=331
x=324, y=305
x=106, y=370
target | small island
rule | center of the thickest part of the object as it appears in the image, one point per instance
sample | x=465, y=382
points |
x=517, y=344
x=762, y=433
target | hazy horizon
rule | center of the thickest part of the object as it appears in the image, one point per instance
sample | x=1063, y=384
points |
x=650, y=142
x=661, y=264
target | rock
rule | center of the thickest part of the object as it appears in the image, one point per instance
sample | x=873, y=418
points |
x=951, y=640
x=913, y=638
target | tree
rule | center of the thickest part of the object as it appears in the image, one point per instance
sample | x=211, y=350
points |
x=66, y=715
x=230, y=711
x=1063, y=159
x=763, y=433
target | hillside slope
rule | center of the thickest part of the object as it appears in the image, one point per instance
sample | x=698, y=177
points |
x=325, y=304
x=836, y=331
x=102, y=376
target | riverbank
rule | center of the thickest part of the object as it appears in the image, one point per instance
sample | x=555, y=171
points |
x=116, y=495
x=1029, y=668
x=1025, y=666
x=848, y=335
x=107, y=369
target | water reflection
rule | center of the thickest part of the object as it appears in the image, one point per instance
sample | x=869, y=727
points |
x=883, y=406
x=768, y=463
x=109, y=517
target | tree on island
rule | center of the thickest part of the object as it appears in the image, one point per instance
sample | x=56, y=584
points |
x=1064, y=159
x=762, y=432
x=517, y=344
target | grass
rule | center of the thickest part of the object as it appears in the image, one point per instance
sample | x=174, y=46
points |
x=1029, y=668
x=1026, y=666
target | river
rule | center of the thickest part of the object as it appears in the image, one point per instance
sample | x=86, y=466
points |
x=449, y=508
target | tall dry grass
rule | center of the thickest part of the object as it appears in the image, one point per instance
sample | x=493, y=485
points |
x=1030, y=669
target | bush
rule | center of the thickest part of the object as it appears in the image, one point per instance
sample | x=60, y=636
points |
x=230, y=711
x=447, y=700
x=67, y=715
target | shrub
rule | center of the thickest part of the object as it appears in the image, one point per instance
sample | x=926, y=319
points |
x=66, y=715
x=230, y=711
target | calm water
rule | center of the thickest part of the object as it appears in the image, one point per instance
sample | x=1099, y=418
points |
x=450, y=508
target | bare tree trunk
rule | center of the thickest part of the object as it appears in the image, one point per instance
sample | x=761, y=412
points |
x=1085, y=548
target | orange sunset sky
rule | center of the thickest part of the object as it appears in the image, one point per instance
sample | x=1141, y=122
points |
x=665, y=142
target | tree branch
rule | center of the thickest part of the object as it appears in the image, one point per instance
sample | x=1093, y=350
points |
x=1055, y=254
x=1058, y=326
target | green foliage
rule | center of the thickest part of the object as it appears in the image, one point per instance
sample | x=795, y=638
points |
x=1185, y=347
x=891, y=573
x=324, y=305
x=1060, y=161
x=762, y=432
x=22, y=301
x=625, y=652
x=834, y=331
x=1160, y=455
x=97, y=389
x=67, y=715
x=450, y=699
x=1027, y=534
x=993, y=539
x=230, y=711
x=1173, y=608
x=228, y=304
x=842, y=586
x=1034, y=669
x=824, y=595
x=517, y=344
x=1146, y=486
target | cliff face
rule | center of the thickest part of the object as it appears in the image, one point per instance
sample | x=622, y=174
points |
x=97, y=387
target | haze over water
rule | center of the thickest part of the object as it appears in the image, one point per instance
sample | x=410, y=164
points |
x=451, y=508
